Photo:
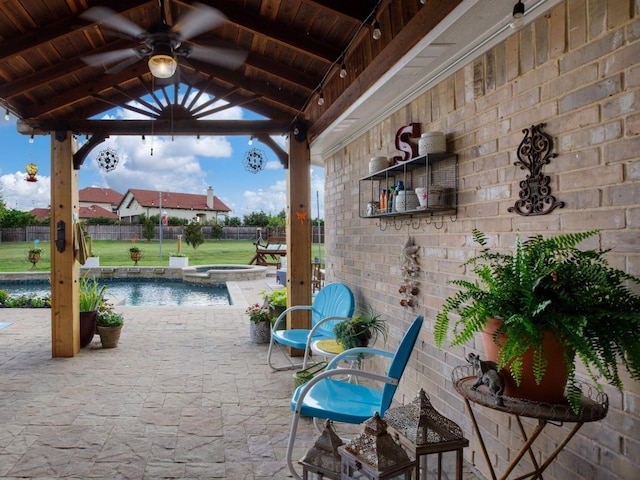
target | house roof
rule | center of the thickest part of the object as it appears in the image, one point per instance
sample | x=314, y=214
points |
x=100, y=195
x=94, y=211
x=174, y=200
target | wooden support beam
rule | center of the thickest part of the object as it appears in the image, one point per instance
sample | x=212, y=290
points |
x=65, y=307
x=299, y=233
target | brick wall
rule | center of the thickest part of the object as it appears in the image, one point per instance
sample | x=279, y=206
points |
x=577, y=69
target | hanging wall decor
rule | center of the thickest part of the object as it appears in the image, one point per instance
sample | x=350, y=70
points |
x=410, y=269
x=108, y=159
x=255, y=160
x=534, y=153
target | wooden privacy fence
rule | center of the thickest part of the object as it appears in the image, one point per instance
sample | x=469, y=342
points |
x=127, y=232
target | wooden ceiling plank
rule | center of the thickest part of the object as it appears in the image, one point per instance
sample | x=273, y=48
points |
x=52, y=31
x=227, y=106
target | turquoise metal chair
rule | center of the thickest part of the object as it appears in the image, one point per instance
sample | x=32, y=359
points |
x=324, y=397
x=334, y=303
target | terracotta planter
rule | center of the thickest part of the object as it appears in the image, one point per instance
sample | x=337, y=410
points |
x=87, y=327
x=34, y=258
x=109, y=336
x=136, y=257
x=554, y=381
x=260, y=332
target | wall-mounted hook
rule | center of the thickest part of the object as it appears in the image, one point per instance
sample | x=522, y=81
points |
x=441, y=224
x=453, y=218
x=413, y=224
x=386, y=224
x=397, y=224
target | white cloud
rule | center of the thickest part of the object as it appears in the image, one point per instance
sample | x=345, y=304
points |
x=22, y=195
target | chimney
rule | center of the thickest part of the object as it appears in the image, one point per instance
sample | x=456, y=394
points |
x=210, y=197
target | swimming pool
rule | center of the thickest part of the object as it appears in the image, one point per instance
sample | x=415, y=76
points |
x=140, y=292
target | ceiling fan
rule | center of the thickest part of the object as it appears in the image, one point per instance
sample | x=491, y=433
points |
x=163, y=44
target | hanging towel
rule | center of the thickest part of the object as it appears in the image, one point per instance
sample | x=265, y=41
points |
x=80, y=245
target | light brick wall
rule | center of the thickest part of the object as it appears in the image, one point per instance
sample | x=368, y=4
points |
x=577, y=69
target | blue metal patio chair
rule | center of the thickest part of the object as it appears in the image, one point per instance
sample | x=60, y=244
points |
x=332, y=304
x=324, y=397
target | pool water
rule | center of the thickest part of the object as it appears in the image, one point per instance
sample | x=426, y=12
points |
x=140, y=293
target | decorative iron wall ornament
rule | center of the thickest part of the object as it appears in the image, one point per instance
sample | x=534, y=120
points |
x=534, y=153
x=254, y=160
x=108, y=159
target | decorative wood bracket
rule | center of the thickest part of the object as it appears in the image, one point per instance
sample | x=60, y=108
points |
x=534, y=153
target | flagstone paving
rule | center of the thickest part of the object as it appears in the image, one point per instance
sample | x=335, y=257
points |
x=184, y=395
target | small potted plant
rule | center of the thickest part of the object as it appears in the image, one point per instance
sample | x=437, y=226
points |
x=260, y=323
x=276, y=301
x=548, y=292
x=91, y=298
x=135, y=252
x=109, y=326
x=34, y=253
x=365, y=327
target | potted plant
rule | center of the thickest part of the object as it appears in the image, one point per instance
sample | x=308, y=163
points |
x=109, y=326
x=135, y=252
x=366, y=326
x=276, y=301
x=548, y=291
x=260, y=323
x=34, y=253
x=91, y=297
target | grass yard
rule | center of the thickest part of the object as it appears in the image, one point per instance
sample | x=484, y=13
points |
x=13, y=256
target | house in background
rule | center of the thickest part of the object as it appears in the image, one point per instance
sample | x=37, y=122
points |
x=84, y=213
x=188, y=206
x=105, y=198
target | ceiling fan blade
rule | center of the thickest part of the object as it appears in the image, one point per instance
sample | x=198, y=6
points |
x=114, y=20
x=219, y=56
x=122, y=65
x=199, y=19
x=111, y=57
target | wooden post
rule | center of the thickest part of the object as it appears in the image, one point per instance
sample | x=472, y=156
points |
x=65, y=307
x=298, y=233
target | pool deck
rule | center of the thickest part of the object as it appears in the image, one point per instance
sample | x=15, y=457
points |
x=184, y=395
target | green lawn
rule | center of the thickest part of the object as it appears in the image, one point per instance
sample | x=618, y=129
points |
x=13, y=256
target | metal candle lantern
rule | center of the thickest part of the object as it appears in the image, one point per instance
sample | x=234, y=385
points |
x=323, y=458
x=423, y=430
x=375, y=455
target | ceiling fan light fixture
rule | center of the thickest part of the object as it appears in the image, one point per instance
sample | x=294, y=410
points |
x=162, y=65
x=518, y=10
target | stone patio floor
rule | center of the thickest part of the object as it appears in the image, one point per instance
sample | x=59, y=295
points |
x=184, y=395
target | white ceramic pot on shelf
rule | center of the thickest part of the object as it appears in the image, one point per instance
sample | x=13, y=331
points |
x=432, y=142
x=377, y=163
x=406, y=200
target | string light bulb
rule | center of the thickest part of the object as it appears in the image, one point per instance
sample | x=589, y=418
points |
x=251, y=140
x=6, y=115
x=343, y=70
x=321, y=99
x=31, y=138
x=198, y=138
x=518, y=10
x=144, y=140
x=376, y=30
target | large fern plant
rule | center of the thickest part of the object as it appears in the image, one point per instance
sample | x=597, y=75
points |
x=549, y=284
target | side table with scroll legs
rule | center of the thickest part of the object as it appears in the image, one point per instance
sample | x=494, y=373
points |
x=594, y=406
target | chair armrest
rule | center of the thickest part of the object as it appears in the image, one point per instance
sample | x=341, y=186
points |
x=284, y=314
x=324, y=320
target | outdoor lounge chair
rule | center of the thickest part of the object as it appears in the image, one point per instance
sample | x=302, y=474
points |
x=324, y=397
x=332, y=304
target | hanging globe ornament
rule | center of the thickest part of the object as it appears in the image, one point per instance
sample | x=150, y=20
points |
x=32, y=169
x=254, y=160
x=108, y=159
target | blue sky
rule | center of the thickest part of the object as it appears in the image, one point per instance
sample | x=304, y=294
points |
x=179, y=165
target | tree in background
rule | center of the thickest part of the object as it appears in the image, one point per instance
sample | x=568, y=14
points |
x=148, y=229
x=217, y=231
x=193, y=234
x=258, y=219
x=232, y=221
